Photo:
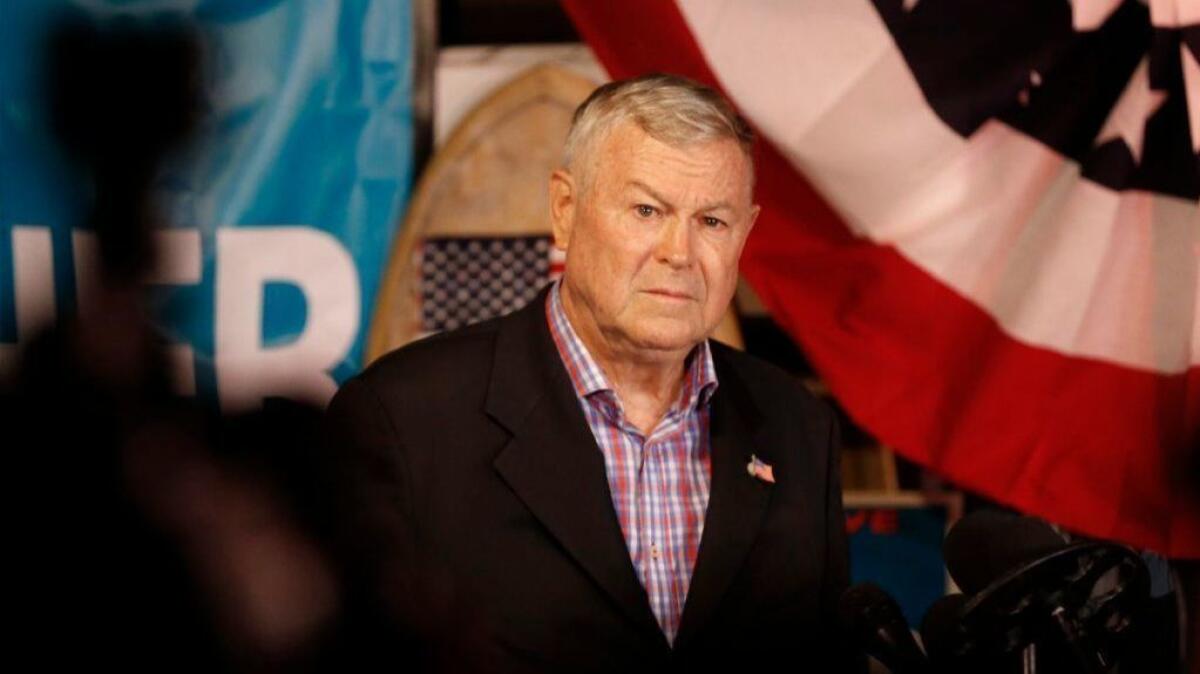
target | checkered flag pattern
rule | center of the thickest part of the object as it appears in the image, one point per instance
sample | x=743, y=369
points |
x=465, y=280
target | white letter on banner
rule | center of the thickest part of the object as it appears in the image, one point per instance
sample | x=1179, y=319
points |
x=247, y=259
x=33, y=286
x=177, y=262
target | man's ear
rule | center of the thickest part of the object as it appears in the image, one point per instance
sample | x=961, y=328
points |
x=754, y=211
x=751, y=218
x=564, y=197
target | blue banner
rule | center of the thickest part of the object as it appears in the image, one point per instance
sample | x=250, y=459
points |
x=900, y=549
x=281, y=219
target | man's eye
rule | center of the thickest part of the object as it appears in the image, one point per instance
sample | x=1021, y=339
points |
x=710, y=221
x=644, y=210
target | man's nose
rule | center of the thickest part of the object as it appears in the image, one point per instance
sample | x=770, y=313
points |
x=675, y=242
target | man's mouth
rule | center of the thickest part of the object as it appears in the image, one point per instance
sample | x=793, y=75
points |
x=667, y=293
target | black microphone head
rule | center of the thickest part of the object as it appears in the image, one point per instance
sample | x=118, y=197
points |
x=942, y=629
x=875, y=622
x=864, y=606
x=987, y=544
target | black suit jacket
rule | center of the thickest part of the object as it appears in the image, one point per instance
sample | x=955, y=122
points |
x=476, y=444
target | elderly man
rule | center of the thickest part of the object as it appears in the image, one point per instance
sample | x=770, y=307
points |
x=594, y=484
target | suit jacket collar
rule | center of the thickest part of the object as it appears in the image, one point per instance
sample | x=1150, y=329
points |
x=554, y=466
x=737, y=501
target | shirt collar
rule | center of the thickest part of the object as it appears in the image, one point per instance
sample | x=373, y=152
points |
x=700, y=375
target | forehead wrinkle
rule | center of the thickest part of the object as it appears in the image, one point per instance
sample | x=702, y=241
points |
x=637, y=153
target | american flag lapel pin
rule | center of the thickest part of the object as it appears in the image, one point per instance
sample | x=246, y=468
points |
x=762, y=471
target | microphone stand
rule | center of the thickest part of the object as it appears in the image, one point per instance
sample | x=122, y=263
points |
x=1089, y=658
x=1055, y=597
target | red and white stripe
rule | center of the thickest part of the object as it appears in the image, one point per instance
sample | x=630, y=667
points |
x=975, y=302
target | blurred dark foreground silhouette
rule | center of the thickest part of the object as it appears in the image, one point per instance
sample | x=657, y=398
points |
x=152, y=533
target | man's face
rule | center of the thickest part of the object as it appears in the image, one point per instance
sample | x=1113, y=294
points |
x=652, y=237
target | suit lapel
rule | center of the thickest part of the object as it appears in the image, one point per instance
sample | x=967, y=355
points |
x=552, y=461
x=737, y=501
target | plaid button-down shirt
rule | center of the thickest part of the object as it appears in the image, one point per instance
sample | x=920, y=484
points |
x=660, y=483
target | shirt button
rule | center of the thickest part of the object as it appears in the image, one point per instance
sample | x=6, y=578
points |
x=654, y=551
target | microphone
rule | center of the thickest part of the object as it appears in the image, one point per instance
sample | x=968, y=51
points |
x=942, y=631
x=1028, y=585
x=954, y=649
x=987, y=544
x=951, y=648
x=874, y=620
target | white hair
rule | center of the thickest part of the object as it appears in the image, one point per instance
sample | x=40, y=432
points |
x=669, y=108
